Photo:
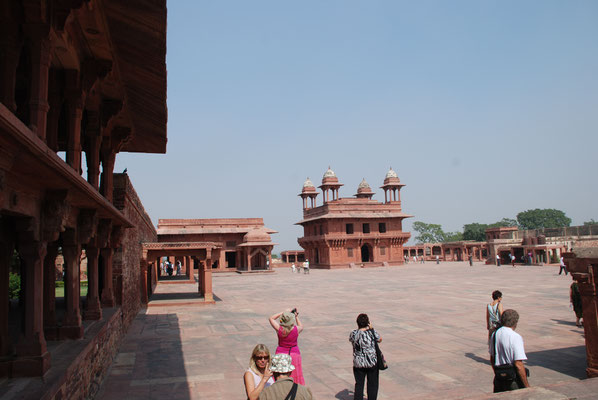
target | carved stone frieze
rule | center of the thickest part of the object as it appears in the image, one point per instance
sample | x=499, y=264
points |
x=55, y=214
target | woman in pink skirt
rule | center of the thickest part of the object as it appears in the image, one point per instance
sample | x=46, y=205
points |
x=288, y=327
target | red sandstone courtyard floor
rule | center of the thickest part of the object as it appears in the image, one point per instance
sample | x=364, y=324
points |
x=431, y=319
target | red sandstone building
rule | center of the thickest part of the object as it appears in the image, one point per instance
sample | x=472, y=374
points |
x=359, y=230
x=244, y=243
x=75, y=77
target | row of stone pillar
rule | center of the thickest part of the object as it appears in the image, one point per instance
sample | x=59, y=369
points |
x=37, y=254
x=392, y=194
x=54, y=92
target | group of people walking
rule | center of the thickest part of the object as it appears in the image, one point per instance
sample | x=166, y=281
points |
x=304, y=266
x=280, y=376
x=167, y=268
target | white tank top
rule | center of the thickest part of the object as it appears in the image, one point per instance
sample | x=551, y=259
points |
x=257, y=379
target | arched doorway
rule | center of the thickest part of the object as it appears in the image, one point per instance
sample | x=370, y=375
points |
x=366, y=253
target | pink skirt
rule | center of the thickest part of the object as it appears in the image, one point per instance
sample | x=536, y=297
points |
x=297, y=373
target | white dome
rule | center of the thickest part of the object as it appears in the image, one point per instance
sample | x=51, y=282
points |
x=329, y=174
x=391, y=174
x=363, y=185
x=308, y=183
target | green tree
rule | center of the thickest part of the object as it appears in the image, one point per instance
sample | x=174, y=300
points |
x=475, y=231
x=591, y=222
x=503, y=222
x=452, y=237
x=428, y=233
x=542, y=218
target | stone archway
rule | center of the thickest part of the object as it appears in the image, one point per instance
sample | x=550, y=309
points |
x=367, y=255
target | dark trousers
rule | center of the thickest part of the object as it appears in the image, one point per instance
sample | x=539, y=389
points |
x=563, y=269
x=360, y=374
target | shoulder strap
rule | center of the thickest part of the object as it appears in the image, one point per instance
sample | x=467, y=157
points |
x=292, y=393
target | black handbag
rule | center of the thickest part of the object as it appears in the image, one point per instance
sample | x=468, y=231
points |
x=380, y=361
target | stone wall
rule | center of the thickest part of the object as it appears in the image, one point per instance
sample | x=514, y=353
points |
x=127, y=269
x=83, y=377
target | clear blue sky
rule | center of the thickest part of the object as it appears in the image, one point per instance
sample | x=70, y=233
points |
x=483, y=108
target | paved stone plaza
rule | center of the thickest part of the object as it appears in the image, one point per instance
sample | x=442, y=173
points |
x=431, y=318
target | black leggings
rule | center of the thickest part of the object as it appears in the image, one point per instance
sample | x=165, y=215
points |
x=360, y=374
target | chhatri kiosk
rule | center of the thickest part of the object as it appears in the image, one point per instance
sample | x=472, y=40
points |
x=354, y=231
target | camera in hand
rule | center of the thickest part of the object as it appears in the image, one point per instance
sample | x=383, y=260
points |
x=294, y=310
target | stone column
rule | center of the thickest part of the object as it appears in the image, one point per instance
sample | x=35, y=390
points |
x=72, y=327
x=50, y=324
x=55, y=100
x=75, y=101
x=40, y=67
x=107, y=292
x=10, y=50
x=92, y=153
x=206, y=278
x=33, y=358
x=93, y=309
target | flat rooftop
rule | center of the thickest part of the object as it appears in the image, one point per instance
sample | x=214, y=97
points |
x=431, y=318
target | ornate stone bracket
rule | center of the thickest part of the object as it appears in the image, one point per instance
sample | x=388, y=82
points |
x=103, y=234
x=117, y=236
x=87, y=224
x=55, y=214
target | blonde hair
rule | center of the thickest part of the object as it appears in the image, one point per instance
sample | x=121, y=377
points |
x=260, y=348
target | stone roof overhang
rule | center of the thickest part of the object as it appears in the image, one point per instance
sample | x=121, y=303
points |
x=256, y=244
x=208, y=230
x=30, y=158
x=180, y=245
x=138, y=35
x=362, y=215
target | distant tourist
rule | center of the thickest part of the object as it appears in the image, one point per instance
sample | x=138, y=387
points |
x=169, y=269
x=471, y=260
x=497, y=260
x=414, y=259
x=284, y=387
x=507, y=354
x=530, y=258
x=364, y=357
x=563, y=267
x=178, y=267
x=493, y=313
x=258, y=376
x=306, y=267
x=437, y=260
x=406, y=259
x=293, y=268
x=575, y=297
x=512, y=260
x=422, y=260
x=267, y=264
x=288, y=327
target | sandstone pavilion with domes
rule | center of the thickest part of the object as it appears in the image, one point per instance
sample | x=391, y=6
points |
x=242, y=244
x=352, y=231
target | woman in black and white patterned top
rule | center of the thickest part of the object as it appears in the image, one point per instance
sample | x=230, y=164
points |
x=364, y=357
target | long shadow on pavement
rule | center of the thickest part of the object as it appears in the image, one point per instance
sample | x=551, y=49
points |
x=568, y=360
x=481, y=360
x=150, y=363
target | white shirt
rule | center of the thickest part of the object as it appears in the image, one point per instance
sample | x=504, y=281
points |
x=562, y=262
x=509, y=346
